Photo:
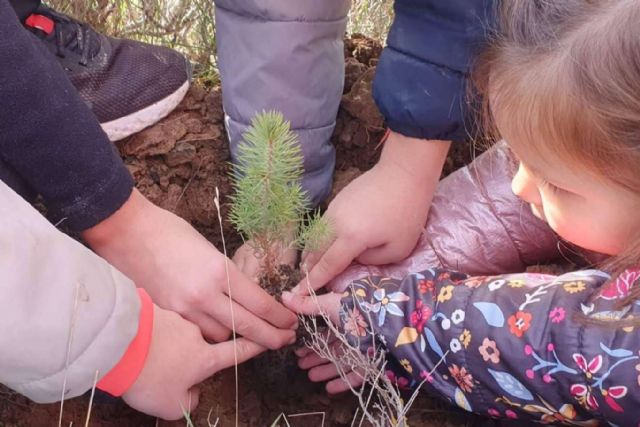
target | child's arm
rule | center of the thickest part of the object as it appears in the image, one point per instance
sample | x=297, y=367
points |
x=476, y=225
x=51, y=143
x=68, y=319
x=65, y=312
x=518, y=346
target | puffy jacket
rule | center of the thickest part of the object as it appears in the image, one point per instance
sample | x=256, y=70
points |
x=65, y=313
x=476, y=225
x=531, y=347
x=421, y=79
x=285, y=55
x=288, y=55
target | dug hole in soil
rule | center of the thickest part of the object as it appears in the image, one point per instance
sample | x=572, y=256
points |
x=178, y=164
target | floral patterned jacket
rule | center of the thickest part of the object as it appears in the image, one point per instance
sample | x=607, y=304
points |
x=532, y=347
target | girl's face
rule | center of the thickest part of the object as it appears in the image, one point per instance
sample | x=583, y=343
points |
x=582, y=208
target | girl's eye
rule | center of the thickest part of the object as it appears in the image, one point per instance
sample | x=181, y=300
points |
x=549, y=186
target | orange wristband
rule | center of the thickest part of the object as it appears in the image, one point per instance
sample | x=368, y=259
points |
x=119, y=379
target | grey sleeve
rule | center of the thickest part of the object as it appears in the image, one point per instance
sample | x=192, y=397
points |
x=285, y=55
x=65, y=313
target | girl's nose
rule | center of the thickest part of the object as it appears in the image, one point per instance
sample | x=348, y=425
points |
x=524, y=186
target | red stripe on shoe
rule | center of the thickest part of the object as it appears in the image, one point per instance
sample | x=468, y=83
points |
x=40, y=22
x=119, y=379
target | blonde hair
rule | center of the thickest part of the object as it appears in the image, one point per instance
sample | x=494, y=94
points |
x=563, y=78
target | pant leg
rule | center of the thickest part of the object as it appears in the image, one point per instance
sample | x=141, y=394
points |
x=285, y=55
x=24, y=8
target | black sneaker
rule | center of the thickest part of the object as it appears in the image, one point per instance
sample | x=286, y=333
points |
x=127, y=84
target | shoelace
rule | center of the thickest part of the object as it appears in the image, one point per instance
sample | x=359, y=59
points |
x=83, y=38
x=78, y=35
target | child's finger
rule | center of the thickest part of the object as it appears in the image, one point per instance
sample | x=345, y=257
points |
x=258, y=302
x=302, y=351
x=311, y=360
x=246, y=262
x=328, y=304
x=175, y=409
x=226, y=354
x=377, y=256
x=239, y=262
x=302, y=304
x=308, y=260
x=211, y=329
x=325, y=372
x=333, y=261
x=193, y=399
x=339, y=385
x=305, y=351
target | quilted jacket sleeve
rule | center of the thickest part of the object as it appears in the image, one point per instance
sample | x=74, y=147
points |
x=476, y=225
x=420, y=85
x=285, y=55
x=65, y=313
x=521, y=346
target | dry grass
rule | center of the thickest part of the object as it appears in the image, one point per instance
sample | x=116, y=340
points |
x=371, y=18
x=381, y=402
x=189, y=25
x=185, y=25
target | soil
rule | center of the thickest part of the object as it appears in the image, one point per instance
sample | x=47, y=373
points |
x=180, y=164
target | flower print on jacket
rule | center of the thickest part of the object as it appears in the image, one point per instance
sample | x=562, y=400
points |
x=420, y=315
x=621, y=286
x=519, y=323
x=398, y=380
x=425, y=286
x=574, y=286
x=475, y=282
x=489, y=351
x=465, y=338
x=355, y=324
x=585, y=393
x=525, y=344
x=406, y=365
x=557, y=314
x=457, y=316
x=386, y=304
x=446, y=293
x=463, y=378
x=516, y=283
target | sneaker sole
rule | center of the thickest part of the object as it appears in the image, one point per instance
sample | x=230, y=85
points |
x=128, y=125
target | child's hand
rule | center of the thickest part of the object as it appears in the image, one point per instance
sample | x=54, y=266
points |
x=378, y=217
x=179, y=358
x=185, y=273
x=321, y=369
x=314, y=305
x=249, y=264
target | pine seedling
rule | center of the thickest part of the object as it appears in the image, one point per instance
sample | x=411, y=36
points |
x=269, y=204
x=315, y=234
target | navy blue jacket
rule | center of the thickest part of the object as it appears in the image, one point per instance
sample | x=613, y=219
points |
x=421, y=81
